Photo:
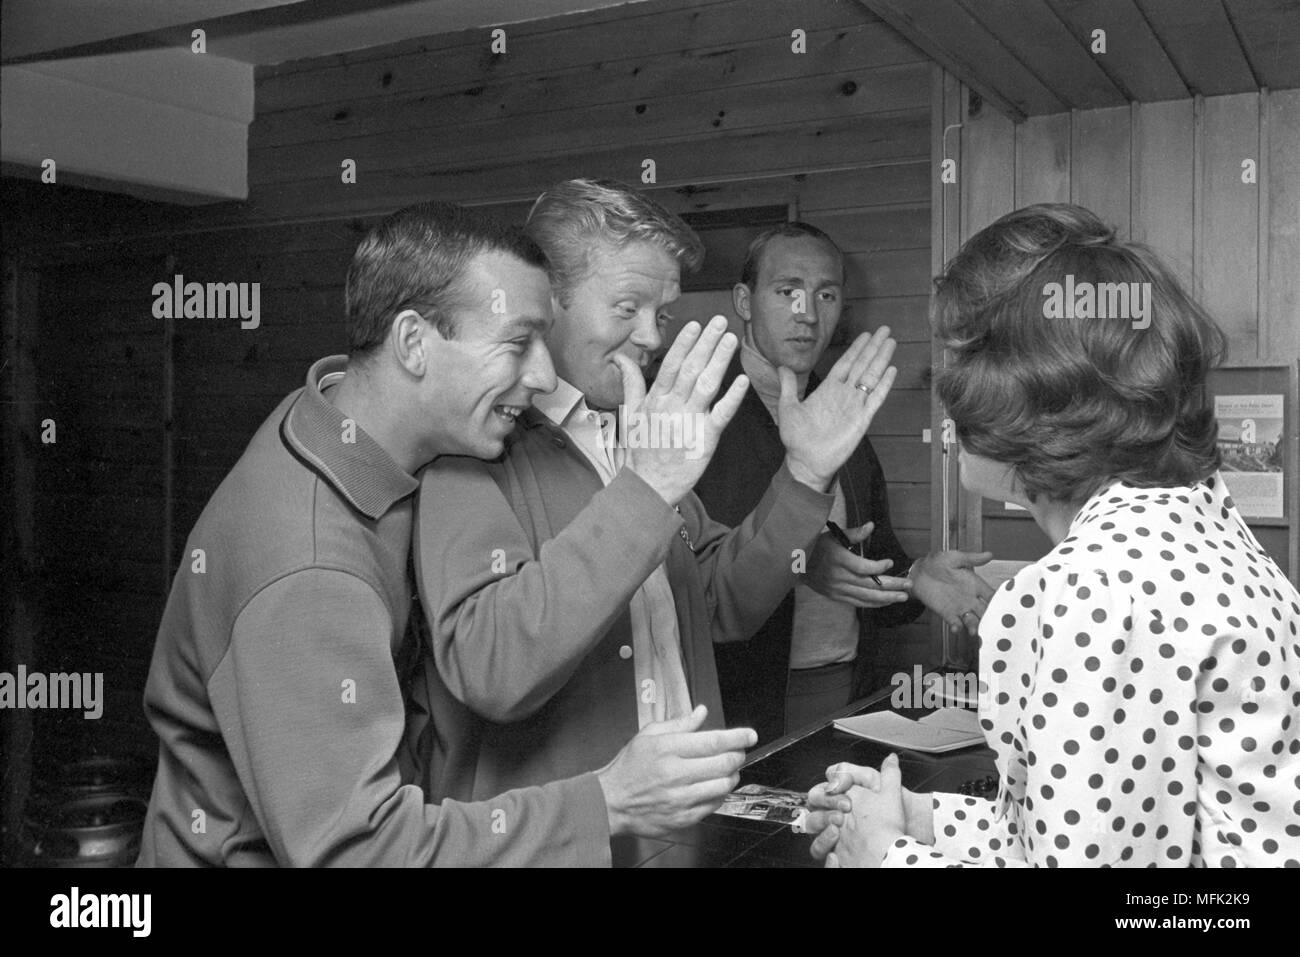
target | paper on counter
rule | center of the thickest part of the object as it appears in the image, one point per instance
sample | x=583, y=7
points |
x=947, y=729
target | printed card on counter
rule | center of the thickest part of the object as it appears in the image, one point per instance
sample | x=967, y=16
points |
x=756, y=802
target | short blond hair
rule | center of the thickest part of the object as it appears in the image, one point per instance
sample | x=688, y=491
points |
x=572, y=218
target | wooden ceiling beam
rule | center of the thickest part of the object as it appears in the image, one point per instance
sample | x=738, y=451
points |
x=1038, y=38
x=1202, y=44
x=949, y=35
x=1269, y=30
x=1134, y=59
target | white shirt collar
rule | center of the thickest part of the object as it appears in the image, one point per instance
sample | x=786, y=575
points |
x=559, y=405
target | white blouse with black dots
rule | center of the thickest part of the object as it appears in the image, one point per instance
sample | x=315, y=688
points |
x=1141, y=687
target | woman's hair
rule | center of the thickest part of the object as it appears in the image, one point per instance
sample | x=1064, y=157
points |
x=1075, y=401
x=571, y=219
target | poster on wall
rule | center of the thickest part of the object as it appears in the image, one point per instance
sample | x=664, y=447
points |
x=1251, y=442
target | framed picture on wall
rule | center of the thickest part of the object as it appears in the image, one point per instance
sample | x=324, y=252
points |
x=1259, y=439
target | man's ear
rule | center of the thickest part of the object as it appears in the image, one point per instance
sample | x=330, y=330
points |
x=409, y=337
x=740, y=299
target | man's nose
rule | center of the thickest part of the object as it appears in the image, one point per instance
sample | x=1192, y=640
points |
x=539, y=374
x=647, y=336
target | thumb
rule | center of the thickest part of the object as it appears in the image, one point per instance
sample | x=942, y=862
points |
x=861, y=533
x=686, y=723
x=891, y=778
x=789, y=387
x=633, y=382
x=978, y=558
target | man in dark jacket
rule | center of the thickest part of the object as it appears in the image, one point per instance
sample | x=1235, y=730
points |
x=824, y=644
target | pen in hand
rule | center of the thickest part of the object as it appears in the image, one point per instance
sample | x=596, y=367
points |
x=842, y=540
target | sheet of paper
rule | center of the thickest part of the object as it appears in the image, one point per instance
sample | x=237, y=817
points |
x=953, y=689
x=931, y=737
x=960, y=720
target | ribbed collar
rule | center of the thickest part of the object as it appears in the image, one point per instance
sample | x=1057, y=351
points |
x=361, y=471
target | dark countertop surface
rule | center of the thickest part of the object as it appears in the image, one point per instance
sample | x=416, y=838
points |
x=798, y=761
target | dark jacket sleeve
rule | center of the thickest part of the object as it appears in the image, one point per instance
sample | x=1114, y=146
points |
x=884, y=544
x=748, y=569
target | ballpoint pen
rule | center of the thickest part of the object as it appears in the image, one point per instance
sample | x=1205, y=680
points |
x=842, y=539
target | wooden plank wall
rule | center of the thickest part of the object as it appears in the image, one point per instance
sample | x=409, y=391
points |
x=1170, y=175
x=710, y=90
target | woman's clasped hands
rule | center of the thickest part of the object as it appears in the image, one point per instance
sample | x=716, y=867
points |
x=858, y=813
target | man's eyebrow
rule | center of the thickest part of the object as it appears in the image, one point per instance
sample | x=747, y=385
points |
x=526, y=324
x=819, y=283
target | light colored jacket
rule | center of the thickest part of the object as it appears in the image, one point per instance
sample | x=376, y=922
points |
x=525, y=568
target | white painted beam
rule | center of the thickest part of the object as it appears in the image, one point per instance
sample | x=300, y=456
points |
x=169, y=120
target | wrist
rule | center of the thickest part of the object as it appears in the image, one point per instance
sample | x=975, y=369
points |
x=664, y=489
x=618, y=821
x=918, y=810
x=810, y=477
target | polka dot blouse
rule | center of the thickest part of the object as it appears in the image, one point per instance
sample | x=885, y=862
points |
x=1141, y=687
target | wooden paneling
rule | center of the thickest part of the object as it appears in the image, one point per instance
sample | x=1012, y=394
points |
x=546, y=47
x=1043, y=160
x=1162, y=168
x=1227, y=238
x=649, y=124
x=905, y=413
x=1202, y=45
x=892, y=227
x=643, y=80
x=909, y=505
x=1279, y=336
x=798, y=148
x=1099, y=165
x=908, y=317
x=902, y=183
x=889, y=272
x=1134, y=59
x=1269, y=31
x=986, y=170
x=953, y=38
x=20, y=551
x=1038, y=57
x=948, y=108
x=1046, y=46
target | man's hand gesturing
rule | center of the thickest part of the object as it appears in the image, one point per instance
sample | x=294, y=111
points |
x=821, y=432
x=688, y=379
x=672, y=775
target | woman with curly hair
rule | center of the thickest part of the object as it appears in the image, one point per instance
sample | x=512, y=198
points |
x=1140, y=683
